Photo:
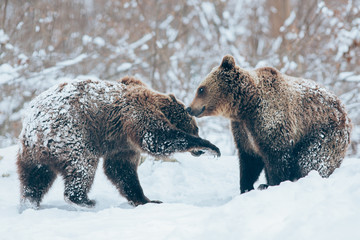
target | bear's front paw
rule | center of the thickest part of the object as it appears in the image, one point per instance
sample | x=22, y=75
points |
x=137, y=203
x=197, y=153
x=215, y=151
x=212, y=150
x=205, y=147
x=262, y=186
x=89, y=204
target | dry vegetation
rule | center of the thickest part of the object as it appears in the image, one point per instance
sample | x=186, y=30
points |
x=173, y=44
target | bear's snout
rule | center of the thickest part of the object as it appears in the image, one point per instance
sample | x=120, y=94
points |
x=189, y=110
x=195, y=112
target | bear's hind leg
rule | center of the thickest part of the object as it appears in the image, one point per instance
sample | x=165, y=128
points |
x=79, y=176
x=121, y=169
x=281, y=166
x=35, y=179
x=321, y=151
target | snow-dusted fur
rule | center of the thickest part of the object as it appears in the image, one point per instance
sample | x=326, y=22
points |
x=287, y=125
x=71, y=125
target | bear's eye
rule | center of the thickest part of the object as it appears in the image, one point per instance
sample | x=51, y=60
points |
x=201, y=90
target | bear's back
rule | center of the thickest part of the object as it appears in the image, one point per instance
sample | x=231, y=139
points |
x=301, y=106
x=317, y=103
x=57, y=116
x=300, y=99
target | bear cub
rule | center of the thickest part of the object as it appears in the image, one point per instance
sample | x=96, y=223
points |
x=285, y=125
x=71, y=125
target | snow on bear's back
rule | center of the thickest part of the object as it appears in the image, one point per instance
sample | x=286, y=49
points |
x=60, y=107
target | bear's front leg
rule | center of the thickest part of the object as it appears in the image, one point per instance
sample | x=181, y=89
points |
x=163, y=142
x=121, y=169
x=250, y=169
x=198, y=146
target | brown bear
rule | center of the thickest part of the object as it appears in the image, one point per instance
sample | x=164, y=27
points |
x=71, y=125
x=285, y=125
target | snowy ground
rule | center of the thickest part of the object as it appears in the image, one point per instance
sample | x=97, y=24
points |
x=201, y=201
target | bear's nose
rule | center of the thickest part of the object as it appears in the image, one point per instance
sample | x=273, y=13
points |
x=188, y=110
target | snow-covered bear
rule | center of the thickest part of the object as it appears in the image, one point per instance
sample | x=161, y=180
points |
x=71, y=125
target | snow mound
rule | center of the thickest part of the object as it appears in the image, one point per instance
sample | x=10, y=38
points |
x=201, y=201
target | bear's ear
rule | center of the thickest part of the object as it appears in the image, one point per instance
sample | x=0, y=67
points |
x=173, y=98
x=129, y=80
x=228, y=62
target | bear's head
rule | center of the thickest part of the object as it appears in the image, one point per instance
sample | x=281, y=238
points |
x=220, y=92
x=172, y=109
x=176, y=113
x=214, y=92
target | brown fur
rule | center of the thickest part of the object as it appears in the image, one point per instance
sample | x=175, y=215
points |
x=70, y=126
x=285, y=125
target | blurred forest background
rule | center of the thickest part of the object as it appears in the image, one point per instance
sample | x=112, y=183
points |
x=172, y=45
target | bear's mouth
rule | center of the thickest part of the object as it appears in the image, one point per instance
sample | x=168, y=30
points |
x=199, y=112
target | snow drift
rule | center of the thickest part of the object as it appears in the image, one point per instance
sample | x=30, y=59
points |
x=201, y=201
